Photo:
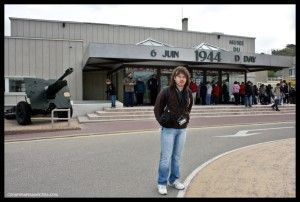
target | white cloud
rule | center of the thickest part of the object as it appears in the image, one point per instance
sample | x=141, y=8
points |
x=273, y=26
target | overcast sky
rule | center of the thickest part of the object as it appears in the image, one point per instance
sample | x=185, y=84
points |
x=273, y=26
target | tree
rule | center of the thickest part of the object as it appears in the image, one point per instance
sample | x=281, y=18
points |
x=289, y=50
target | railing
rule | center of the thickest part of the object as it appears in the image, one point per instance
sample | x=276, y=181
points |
x=58, y=118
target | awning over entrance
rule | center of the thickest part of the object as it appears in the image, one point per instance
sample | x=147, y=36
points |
x=111, y=56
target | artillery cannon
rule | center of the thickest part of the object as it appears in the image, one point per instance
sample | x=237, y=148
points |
x=42, y=96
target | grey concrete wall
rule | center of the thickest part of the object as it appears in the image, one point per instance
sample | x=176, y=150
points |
x=44, y=58
x=94, y=85
x=121, y=34
x=12, y=99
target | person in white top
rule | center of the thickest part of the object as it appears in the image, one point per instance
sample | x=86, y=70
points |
x=208, y=93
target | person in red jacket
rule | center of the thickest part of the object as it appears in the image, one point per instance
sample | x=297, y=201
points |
x=242, y=93
x=193, y=87
x=216, y=93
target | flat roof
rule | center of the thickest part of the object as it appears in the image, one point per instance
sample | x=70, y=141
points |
x=156, y=28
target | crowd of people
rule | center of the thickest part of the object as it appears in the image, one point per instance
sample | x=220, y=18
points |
x=134, y=90
x=250, y=94
x=209, y=93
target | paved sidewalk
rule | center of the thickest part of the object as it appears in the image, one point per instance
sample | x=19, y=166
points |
x=263, y=170
x=39, y=125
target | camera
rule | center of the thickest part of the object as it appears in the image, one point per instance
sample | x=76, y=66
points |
x=181, y=120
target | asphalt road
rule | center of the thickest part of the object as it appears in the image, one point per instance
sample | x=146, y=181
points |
x=119, y=165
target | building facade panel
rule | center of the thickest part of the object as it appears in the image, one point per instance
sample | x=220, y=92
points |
x=49, y=30
x=26, y=28
x=78, y=70
x=147, y=34
x=25, y=58
x=59, y=56
x=72, y=31
x=13, y=27
x=77, y=31
x=119, y=34
x=31, y=29
x=94, y=33
x=47, y=59
x=91, y=79
x=106, y=33
x=110, y=34
x=39, y=58
x=32, y=57
x=6, y=64
x=19, y=57
x=20, y=28
x=100, y=36
x=44, y=30
x=127, y=35
x=52, y=59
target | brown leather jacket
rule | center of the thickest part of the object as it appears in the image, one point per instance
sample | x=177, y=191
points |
x=171, y=97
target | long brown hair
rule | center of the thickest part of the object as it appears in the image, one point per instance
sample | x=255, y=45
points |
x=180, y=70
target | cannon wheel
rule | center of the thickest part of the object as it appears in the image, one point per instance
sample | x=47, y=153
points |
x=65, y=114
x=23, y=113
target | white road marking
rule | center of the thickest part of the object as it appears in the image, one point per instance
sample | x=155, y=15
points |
x=244, y=133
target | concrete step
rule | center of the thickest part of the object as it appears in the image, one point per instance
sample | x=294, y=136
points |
x=194, y=111
x=85, y=119
x=196, y=107
x=94, y=116
x=141, y=108
x=146, y=112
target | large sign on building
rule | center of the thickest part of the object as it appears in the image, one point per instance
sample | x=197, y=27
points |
x=118, y=51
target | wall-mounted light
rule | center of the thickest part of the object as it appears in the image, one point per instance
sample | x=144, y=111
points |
x=219, y=36
x=63, y=24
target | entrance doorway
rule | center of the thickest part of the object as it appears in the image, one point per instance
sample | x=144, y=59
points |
x=144, y=74
x=165, y=77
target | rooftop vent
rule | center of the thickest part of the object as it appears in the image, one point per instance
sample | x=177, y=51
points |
x=184, y=24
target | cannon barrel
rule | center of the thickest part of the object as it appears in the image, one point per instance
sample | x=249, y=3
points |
x=57, y=85
x=67, y=72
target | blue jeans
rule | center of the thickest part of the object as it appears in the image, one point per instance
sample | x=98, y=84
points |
x=113, y=100
x=248, y=100
x=128, y=99
x=172, y=143
x=208, y=97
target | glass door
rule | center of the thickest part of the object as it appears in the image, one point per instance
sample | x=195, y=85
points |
x=144, y=74
x=212, y=76
x=165, y=77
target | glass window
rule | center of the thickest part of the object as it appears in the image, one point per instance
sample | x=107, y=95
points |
x=198, y=75
x=16, y=85
x=212, y=76
x=144, y=74
x=228, y=78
